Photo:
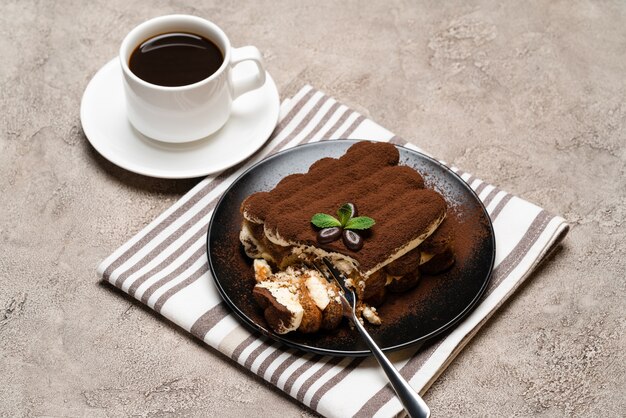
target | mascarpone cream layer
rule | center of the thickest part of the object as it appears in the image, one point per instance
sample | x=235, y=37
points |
x=346, y=263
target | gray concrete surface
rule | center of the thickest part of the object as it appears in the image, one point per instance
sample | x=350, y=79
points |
x=528, y=95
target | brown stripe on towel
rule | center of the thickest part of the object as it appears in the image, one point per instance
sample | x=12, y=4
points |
x=490, y=196
x=292, y=112
x=161, y=246
x=315, y=377
x=336, y=379
x=480, y=188
x=208, y=320
x=256, y=353
x=513, y=259
x=269, y=360
x=242, y=346
x=303, y=123
x=201, y=193
x=200, y=272
x=298, y=372
x=283, y=366
x=358, y=121
x=327, y=116
x=333, y=130
x=319, y=127
x=501, y=204
x=166, y=262
x=165, y=242
x=344, y=113
x=188, y=262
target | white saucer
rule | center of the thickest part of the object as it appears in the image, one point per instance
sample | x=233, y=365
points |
x=103, y=117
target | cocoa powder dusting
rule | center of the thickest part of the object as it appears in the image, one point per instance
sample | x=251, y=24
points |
x=368, y=176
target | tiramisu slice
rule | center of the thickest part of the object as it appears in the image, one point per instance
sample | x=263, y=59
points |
x=280, y=226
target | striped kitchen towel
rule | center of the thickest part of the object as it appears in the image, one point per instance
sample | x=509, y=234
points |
x=165, y=267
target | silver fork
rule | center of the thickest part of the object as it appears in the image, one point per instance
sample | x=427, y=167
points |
x=411, y=400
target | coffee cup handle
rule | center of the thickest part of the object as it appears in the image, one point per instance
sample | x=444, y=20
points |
x=244, y=84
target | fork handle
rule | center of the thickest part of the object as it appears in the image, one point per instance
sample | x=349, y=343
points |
x=411, y=400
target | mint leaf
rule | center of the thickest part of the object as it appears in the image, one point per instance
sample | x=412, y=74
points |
x=345, y=212
x=323, y=220
x=360, y=222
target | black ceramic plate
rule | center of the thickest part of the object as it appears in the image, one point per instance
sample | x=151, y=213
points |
x=435, y=305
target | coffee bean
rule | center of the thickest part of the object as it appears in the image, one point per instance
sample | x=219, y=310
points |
x=326, y=235
x=354, y=211
x=352, y=240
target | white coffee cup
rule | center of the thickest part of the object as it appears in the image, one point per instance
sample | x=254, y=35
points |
x=190, y=112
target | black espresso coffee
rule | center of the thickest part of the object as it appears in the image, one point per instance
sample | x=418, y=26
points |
x=175, y=59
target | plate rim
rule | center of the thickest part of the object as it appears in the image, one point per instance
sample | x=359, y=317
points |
x=164, y=173
x=255, y=327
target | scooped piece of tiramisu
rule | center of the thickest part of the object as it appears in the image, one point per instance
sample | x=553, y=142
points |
x=364, y=212
x=296, y=298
